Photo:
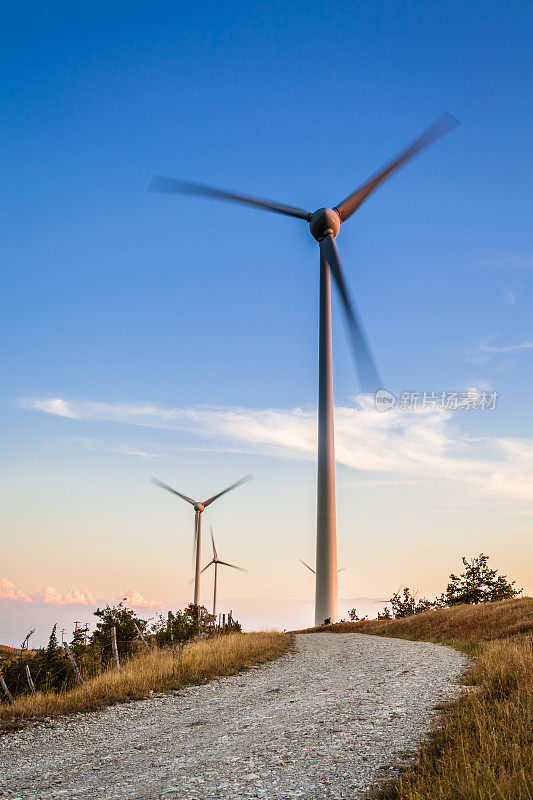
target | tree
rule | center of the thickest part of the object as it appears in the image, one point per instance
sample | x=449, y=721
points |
x=53, y=644
x=78, y=638
x=51, y=669
x=385, y=614
x=124, y=620
x=478, y=584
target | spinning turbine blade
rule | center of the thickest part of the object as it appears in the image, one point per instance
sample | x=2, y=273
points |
x=440, y=127
x=213, y=543
x=158, y=183
x=368, y=374
x=307, y=565
x=207, y=566
x=170, y=489
x=233, y=486
x=233, y=566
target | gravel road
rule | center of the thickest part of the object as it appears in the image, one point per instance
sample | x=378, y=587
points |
x=321, y=722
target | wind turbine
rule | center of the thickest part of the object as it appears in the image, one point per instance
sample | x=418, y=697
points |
x=216, y=561
x=324, y=225
x=199, y=508
x=340, y=569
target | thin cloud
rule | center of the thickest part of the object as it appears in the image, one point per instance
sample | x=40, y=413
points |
x=506, y=348
x=421, y=444
x=486, y=351
x=51, y=405
x=520, y=262
x=110, y=447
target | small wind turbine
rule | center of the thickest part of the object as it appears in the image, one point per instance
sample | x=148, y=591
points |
x=199, y=508
x=216, y=561
x=325, y=224
x=341, y=569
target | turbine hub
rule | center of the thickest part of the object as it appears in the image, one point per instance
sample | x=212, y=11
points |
x=198, y=507
x=323, y=220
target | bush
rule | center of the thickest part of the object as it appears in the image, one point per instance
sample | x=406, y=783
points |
x=353, y=616
x=405, y=604
x=181, y=627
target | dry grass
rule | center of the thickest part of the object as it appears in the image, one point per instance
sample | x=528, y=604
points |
x=483, y=747
x=6, y=650
x=155, y=672
x=463, y=626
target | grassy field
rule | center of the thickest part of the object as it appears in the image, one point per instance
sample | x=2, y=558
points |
x=483, y=746
x=155, y=672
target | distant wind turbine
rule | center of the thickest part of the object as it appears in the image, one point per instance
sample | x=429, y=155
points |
x=216, y=561
x=324, y=225
x=199, y=508
x=341, y=569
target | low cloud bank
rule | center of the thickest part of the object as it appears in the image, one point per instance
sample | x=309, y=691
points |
x=49, y=595
x=8, y=592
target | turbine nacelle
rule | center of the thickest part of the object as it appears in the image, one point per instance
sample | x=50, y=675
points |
x=324, y=221
x=199, y=507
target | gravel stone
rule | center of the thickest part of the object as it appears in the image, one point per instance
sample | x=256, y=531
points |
x=325, y=721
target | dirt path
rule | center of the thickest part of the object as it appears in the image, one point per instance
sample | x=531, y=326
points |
x=321, y=722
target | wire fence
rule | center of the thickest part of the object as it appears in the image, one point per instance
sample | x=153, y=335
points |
x=58, y=668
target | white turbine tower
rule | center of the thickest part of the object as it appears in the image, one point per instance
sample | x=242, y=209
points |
x=199, y=508
x=325, y=224
x=216, y=561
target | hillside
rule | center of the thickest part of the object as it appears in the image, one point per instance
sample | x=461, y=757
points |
x=6, y=651
x=463, y=626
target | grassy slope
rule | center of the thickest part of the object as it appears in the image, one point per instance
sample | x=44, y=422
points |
x=483, y=748
x=466, y=626
x=200, y=662
x=6, y=650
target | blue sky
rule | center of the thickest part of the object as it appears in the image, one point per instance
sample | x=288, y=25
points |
x=112, y=295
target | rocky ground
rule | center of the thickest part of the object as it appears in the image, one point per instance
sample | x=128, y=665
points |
x=324, y=721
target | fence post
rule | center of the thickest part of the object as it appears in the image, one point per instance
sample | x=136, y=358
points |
x=6, y=690
x=114, y=647
x=29, y=679
x=73, y=662
x=141, y=637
